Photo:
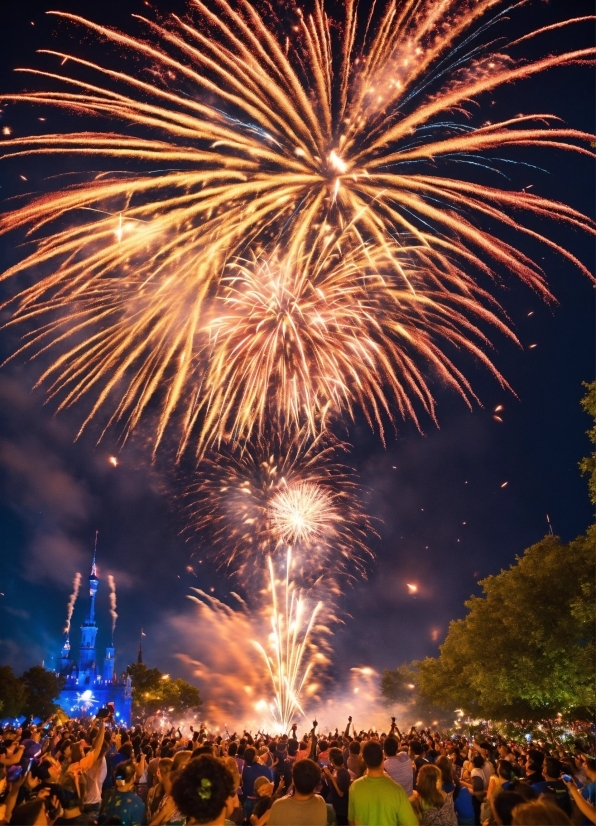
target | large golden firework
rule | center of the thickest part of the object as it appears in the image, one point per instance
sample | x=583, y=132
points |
x=252, y=504
x=243, y=132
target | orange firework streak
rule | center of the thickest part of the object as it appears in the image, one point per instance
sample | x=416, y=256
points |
x=317, y=142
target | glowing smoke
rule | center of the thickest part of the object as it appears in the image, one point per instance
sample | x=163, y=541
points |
x=113, y=614
x=71, y=602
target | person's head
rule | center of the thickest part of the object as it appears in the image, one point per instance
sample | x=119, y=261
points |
x=32, y=813
x=48, y=771
x=204, y=790
x=126, y=751
x=354, y=747
x=372, y=754
x=336, y=757
x=539, y=813
x=416, y=748
x=232, y=766
x=390, y=747
x=552, y=768
x=428, y=786
x=590, y=767
x=478, y=761
x=306, y=775
x=249, y=755
x=503, y=750
x=164, y=770
x=124, y=776
x=505, y=770
x=263, y=787
x=302, y=747
x=445, y=766
x=504, y=804
x=232, y=749
x=181, y=758
x=536, y=757
x=292, y=747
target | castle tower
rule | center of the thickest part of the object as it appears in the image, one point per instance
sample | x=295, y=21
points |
x=87, y=651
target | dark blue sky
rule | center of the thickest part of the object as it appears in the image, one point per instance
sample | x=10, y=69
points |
x=55, y=493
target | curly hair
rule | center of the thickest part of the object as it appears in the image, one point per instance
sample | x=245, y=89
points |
x=202, y=788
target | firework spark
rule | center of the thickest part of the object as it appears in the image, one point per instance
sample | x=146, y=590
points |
x=252, y=503
x=244, y=131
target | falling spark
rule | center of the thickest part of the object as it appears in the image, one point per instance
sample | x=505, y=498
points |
x=113, y=614
x=504, y=485
x=369, y=141
x=71, y=602
x=113, y=461
x=412, y=589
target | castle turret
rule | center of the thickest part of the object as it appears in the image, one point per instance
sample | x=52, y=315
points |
x=87, y=651
x=65, y=663
x=108, y=663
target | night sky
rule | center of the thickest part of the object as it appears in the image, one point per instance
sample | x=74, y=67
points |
x=445, y=521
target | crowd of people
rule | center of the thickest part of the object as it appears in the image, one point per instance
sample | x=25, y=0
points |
x=89, y=772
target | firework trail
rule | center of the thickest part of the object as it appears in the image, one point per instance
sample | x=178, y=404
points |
x=291, y=661
x=71, y=602
x=246, y=130
x=291, y=655
x=113, y=614
x=251, y=504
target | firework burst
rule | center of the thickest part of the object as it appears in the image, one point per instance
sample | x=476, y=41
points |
x=246, y=130
x=297, y=341
x=252, y=504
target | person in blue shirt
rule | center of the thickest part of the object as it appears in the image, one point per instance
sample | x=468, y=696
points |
x=250, y=772
x=589, y=790
x=122, y=802
x=552, y=786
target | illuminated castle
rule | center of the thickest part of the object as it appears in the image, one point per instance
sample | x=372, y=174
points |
x=86, y=688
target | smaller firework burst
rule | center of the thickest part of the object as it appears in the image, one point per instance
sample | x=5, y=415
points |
x=253, y=503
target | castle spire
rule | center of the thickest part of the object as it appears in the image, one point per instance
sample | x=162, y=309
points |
x=93, y=565
x=87, y=654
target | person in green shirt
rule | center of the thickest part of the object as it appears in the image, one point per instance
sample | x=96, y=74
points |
x=376, y=799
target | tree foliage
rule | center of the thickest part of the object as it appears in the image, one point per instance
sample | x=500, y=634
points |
x=41, y=692
x=526, y=648
x=12, y=693
x=401, y=687
x=588, y=465
x=153, y=691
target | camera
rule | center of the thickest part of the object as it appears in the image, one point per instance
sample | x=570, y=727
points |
x=107, y=712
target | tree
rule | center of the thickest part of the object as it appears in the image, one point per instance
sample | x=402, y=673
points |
x=12, y=693
x=401, y=687
x=526, y=648
x=588, y=465
x=153, y=691
x=41, y=689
